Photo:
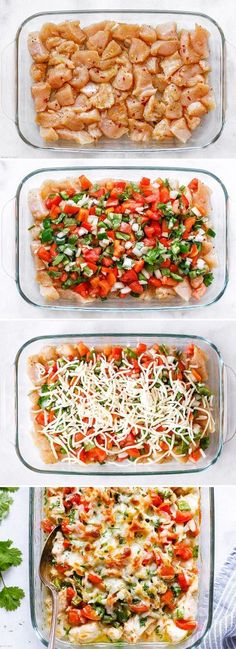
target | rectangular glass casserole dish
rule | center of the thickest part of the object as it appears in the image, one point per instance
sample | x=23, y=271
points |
x=206, y=573
x=203, y=136
x=25, y=269
x=28, y=451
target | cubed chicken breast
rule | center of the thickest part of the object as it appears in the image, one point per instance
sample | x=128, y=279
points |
x=138, y=51
x=41, y=93
x=110, y=129
x=36, y=48
x=180, y=129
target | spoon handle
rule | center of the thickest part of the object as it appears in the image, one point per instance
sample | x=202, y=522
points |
x=52, y=635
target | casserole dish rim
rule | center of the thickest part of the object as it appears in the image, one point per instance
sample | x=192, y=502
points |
x=156, y=472
x=210, y=494
x=100, y=306
x=134, y=151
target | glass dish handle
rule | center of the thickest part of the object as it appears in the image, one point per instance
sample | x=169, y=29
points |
x=231, y=410
x=8, y=82
x=8, y=231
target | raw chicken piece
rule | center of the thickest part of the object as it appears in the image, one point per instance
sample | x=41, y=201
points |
x=41, y=93
x=135, y=108
x=53, y=104
x=98, y=41
x=171, y=94
x=82, y=103
x=138, y=51
x=180, y=129
x=56, y=58
x=196, y=281
x=143, y=88
x=162, y=130
x=148, y=34
x=90, y=89
x=49, y=293
x=160, y=82
x=38, y=71
x=193, y=122
x=112, y=49
x=104, y=98
x=123, y=79
x=90, y=116
x=152, y=65
x=170, y=64
x=37, y=205
x=107, y=63
x=48, y=119
x=118, y=114
x=199, y=41
x=70, y=118
x=166, y=31
x=65, y=95
x=53, y=42
x=80, y=77
x=183, y=289
x=105, y=25
x=187, y=53
x=110, y=129
x=48, y=30
x=48, y=134
x=188, y=75
x=66, y=47
x=101, y=76
x=82, y=137
x=174, y=110
x=209, y=101
x=90, y=58
x=36, y=48
x=196, y=109
x=194, y=94
x=124, y=31
x=140, y=131
x=201, y=198
x=58, y=75
x=164, y=48
x=94, y=131
x=72, y=31
x=199, y=292
x=154, y=109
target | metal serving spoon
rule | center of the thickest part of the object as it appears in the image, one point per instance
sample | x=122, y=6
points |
x=44, y=573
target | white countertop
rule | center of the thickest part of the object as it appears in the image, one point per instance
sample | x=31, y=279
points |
x=16, y=628
x=13, y=13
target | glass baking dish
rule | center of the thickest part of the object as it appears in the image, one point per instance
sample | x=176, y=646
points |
x=25, y=269
x=206, y=575
x=207, y=133
x=28, y=451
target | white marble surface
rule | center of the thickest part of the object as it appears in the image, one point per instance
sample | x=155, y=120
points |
x=11, y=174
x=16, y=629
x=13, y=335
x=13, y=12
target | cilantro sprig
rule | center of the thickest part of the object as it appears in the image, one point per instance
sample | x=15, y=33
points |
x=10, y=596
x=5, y=500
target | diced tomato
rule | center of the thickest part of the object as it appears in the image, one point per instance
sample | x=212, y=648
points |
x=183, y=582
x=44, y=254
x=168, y=599
x=164, y=194
x=82, y=348
x=141, y=348
x=156, y=500
x=154, y=281
x=184, y=200
x=75, y=617
x=129, y=276
x=107, y=261
x=144, y=182
x=91, y=254
x=94, y=579
x=82, y=289
x=186, y=625
x=89, y=612
x=168, y=281
x=84, y=182
x=164, y=446
x=55, y=200
x=65, y=525
x=134, y=452
x=189, y=222
x=41, y=418
x=63, y=567
x=149, y=243
x=167, y=572
x=165, y=242
x=70, y=593
x=196, y=455
x=136, y=287
x=183, y=517
x=193, y=185
x=104, y=287
x=139, y=608
x=164, y=507
x=71, y=209
x=165, y=264
x=149, y=231
x=47, y=525
x=183, y=551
